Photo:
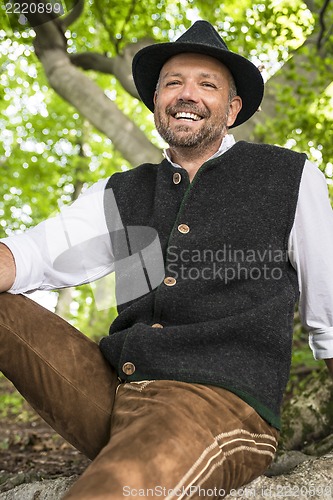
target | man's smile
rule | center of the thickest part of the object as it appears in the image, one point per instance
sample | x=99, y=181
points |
x=187, y=116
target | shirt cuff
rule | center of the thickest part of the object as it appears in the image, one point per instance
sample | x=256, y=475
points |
x=321, y=343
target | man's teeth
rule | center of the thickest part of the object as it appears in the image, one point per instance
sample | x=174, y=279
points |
x=188, y=116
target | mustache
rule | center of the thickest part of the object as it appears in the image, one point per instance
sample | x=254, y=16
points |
x=187, y=108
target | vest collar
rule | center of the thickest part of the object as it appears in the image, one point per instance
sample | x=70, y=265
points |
x=227, y=142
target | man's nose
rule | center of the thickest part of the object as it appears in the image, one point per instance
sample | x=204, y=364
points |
x=188, y=92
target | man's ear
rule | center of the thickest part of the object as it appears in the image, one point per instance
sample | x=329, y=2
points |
x=235, y=106
x=155, y=97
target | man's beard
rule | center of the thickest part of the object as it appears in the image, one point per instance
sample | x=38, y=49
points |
x=207, y=134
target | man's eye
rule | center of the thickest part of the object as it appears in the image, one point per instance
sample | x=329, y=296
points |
x=172, y=83
x=209, y=84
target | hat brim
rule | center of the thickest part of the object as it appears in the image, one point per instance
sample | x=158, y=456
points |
x=148, y=62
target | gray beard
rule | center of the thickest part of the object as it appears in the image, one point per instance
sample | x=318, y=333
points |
x=198, y=140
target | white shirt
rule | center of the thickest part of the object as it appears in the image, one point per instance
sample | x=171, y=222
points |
x=83, y=222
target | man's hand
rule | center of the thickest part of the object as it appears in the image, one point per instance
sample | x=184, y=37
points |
x=7, y=268
x=329, y=363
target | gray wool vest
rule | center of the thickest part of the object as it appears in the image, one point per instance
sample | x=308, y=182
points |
x=221, y=311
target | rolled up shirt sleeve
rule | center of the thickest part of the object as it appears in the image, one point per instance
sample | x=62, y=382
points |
x=311, y=253
x=321, y=341
x=69, y=249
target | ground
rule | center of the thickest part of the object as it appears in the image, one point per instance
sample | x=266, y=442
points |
x=29, y=448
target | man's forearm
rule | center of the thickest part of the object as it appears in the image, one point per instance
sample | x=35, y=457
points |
x=7, y=268
x=329, y=363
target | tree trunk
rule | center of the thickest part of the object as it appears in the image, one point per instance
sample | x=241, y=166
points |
x=85, y=95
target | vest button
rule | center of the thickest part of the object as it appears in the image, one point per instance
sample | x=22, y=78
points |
x=183, y=228
x=169, y=281
x=157, y=325
x=176, y=178
x=128, y=368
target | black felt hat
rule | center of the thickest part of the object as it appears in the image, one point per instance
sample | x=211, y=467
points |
x=201, y=38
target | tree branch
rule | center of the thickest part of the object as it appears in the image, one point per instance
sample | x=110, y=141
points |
x=85, y=95
x=119, y=66
x=91, y=102
x=73, y=15
x=322, y=23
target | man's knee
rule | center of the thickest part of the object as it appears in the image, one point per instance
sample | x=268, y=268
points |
x=14, y=307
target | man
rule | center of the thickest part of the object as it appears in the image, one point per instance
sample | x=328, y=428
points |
x=182, y=398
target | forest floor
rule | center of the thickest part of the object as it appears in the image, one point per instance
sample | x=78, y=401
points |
x=29, y=448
